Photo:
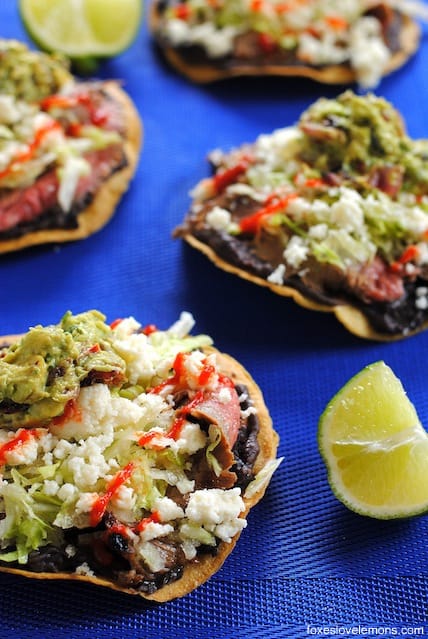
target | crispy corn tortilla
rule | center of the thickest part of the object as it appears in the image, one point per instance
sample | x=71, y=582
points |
x=197, y=573
x=332, y=74
x=349, y=316
x=103, y=206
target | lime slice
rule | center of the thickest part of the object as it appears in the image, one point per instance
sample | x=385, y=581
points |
x=82, y=29
x=375, y=447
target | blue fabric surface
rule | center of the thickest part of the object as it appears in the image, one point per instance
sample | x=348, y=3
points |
x=304, y=561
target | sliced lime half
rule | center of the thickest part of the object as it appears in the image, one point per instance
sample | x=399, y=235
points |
x=375, y=447
x=82, y=28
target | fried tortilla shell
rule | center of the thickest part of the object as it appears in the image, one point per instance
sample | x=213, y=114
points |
x=194, y=574
x=103, y=206
x=207, y=72
x=352, y=318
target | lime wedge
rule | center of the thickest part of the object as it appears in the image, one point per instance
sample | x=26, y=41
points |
x=82, y=29
x=374, y=446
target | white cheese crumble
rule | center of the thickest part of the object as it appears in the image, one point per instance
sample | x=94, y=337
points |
x=70, y=550
x=194, y=365
x=88, y=465
x=218, y=218
x=347, y=213
x=177, y=32
x=167, y=509
x=217, y=42
x=203, y=190
x=214, y=511
x=85, y=502
x=251, y=410
x=140, y=357
x=296, y=251
x=368, y=53
x=51, y=487
x=152, y=530
x=423, y=253
x=145, y=360
x=126, y=327
x=421, y=301
x=155, y=409
x=224, y=395
x=123, y=504
x=299, y=207
x=277, y=276
x=84, y=569
x=324, y=50
x=213, y=506
x=228, y=529
x=67, y=492
x=25, y=453
x=191, y=439
x=318, y=231
x=280, y=144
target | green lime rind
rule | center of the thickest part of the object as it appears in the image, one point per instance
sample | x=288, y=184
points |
x=86, y=65
x=79, y=34
x=374, y=447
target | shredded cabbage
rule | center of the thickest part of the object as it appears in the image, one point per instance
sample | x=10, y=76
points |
x=262, y=478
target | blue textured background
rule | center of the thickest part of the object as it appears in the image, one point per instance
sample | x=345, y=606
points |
x=303, y=559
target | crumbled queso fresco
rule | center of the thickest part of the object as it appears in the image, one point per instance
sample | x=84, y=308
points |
x=321, y=33
x=68, y=466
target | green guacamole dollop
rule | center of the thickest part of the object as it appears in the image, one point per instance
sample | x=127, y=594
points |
x=354, y=134
x=45, y=368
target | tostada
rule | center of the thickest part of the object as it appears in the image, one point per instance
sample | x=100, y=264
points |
x=332, y=212
x=330, y=42
x=68, y=149
x=130, y=456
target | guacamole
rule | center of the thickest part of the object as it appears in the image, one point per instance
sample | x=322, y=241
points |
x=44, y=370
x=31, y=75
x=355, y=134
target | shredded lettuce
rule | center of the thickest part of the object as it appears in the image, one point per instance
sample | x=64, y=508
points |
x=69, y=174
x=196, y=533
x=215, y=437
x=262, y=478
x=99, y=138
x=28, y=519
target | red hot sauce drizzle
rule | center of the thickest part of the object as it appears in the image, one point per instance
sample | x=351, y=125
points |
x=100, y=505
x=17, y=442
x=179, y=379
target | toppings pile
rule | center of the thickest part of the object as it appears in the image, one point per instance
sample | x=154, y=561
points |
x=122, y=456
x=61, y=141
x=336, y=205
x=298, y=32
x=54, y=143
